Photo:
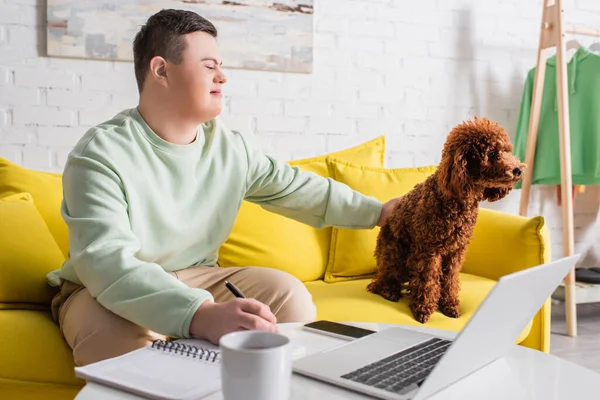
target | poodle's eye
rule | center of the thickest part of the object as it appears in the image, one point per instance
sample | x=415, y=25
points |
x=493, y=155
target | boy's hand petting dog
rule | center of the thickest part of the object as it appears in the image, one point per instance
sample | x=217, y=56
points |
x=386, y=211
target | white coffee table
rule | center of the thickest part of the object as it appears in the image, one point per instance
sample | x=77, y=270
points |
x=522, y=374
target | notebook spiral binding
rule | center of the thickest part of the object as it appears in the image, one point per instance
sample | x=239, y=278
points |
x=185, y=350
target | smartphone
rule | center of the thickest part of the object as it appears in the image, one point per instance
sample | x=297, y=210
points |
x=335, y=329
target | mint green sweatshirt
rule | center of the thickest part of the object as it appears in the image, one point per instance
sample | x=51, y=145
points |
x=138, y=207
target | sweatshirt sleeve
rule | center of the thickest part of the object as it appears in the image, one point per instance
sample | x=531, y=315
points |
x=103, y=252
x=522, y=126
x=305, y=196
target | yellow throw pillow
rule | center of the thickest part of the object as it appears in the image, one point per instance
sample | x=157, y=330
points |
x=262, y=238
x=27, y=252
x=352, y=251
x=46, y=190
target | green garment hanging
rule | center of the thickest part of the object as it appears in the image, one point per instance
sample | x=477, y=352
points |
x=583, y=77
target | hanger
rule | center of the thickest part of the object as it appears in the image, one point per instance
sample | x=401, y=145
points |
x=573, y=44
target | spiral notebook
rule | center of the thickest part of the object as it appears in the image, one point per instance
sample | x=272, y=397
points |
x=166, y=370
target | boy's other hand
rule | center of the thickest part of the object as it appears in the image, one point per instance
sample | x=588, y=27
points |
x=213, y=320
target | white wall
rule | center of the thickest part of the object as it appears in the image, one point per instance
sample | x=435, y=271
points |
x=409, y=70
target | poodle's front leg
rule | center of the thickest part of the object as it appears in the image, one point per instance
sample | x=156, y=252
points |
x=388, y=280
x=424, y=285
x=449, y=299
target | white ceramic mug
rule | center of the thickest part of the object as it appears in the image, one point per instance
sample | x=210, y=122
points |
x=255, y=365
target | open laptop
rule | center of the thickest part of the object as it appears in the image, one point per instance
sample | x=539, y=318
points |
x=400, y=363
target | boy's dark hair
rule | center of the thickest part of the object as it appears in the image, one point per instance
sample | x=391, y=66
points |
x=163, y=35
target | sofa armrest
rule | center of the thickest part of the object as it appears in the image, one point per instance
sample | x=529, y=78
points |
x=505, y=243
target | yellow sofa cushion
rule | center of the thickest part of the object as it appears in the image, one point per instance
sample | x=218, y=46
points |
x=36, y=360
x=262, y=238
x=350, y=301
x=27, y=252
x=46, y=190
x=351, y=255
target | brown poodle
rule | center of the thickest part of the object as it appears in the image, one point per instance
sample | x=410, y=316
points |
x=425, y=239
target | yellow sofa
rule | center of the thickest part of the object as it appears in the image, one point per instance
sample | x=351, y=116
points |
x=335, y=265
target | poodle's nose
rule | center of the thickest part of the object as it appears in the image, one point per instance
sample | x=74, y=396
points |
x=517, y=171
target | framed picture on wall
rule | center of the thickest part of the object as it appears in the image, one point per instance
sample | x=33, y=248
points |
x=271, y=35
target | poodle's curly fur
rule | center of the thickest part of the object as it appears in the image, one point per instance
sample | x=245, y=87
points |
x=424, y=241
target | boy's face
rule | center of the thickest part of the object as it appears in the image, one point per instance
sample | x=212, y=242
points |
x=194, y=85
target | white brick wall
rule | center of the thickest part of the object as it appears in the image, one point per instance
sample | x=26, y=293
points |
x=405, y=69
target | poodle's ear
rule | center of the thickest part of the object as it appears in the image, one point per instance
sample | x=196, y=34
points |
x=495, y=194
x=454, y=174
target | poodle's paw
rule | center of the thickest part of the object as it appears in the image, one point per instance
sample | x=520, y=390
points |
x=373, y=287
x=386, y=293
x=450, y=310
x=421, y=314
x=392, y=296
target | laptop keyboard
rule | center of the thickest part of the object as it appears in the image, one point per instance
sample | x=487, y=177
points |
x=400, y=370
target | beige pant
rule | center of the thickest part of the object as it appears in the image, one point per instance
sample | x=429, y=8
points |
x=95, y=333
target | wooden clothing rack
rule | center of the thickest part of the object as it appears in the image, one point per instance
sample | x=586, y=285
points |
x=552, y=34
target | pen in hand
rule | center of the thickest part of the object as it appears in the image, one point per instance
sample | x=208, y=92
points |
x=233, y=289
x=238, y=293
